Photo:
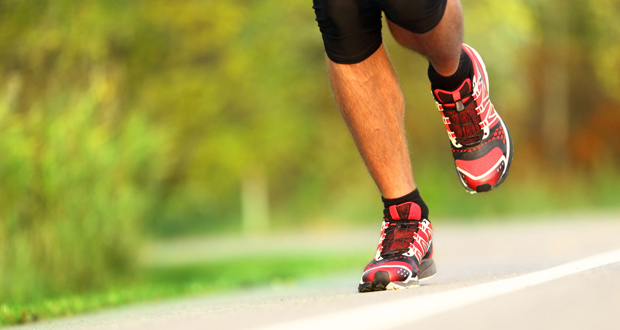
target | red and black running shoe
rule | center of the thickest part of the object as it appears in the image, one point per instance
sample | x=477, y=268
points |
x=404, y=254
x=481, y=144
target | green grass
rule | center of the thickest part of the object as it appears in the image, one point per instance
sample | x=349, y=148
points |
x=160, y=283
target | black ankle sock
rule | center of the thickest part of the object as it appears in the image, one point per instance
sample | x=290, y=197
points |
x=453, y=82
x=413, y=196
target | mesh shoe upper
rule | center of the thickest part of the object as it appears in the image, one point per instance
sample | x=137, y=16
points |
x=481, y=144
x=460, y=116
x=406, y=240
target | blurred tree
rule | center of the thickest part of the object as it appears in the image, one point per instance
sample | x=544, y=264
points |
x=195, y=100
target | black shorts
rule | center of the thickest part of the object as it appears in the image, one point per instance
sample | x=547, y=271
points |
x=352, y=28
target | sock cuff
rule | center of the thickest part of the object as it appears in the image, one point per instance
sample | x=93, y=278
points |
x=413, y=196
x=452, y=82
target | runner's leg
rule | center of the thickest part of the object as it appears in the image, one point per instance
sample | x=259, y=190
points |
x=372, y=104
x=442, y=44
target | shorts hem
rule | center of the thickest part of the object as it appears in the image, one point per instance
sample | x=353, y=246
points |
x=356, y=59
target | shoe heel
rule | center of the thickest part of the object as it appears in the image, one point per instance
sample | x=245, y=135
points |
x=427, y=269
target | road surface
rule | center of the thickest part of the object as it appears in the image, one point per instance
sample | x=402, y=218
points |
x=558, y=273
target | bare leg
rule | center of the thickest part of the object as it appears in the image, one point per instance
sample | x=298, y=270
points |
x=372, y=102
x=373, y=106
x=441, y=45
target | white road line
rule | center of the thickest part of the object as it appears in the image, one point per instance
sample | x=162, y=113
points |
x=420, y=307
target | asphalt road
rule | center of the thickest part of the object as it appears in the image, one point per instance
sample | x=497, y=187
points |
x=543, y=273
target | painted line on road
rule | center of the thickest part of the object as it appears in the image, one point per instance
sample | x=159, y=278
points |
x=391, y=314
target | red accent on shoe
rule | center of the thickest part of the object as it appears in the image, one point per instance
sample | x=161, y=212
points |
x=477, y=134
x=481, y=165
x=394, y=268
x=405, y=211
x=406, y=241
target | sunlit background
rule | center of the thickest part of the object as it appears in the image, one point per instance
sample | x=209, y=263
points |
x=125, y=124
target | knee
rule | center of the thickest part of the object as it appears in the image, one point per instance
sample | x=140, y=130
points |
x=351, y=32
x=418, y=16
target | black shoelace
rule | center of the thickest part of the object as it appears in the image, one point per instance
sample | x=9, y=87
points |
x=398, y=235
x=465, y=121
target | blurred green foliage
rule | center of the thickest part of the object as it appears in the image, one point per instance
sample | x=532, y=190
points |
x=75, y=191
x=120, y=119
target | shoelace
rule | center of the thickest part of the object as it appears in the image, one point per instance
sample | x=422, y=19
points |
x=398, y=235
x=465, y=119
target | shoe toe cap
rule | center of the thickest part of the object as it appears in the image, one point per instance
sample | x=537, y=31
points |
x=484, y=173
x=395, y=273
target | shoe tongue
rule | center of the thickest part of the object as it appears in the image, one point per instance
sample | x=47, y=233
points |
x=451, y=97
x=399, y=236
x=404, y=211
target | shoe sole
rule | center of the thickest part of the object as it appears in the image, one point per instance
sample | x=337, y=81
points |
x=381, y=281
